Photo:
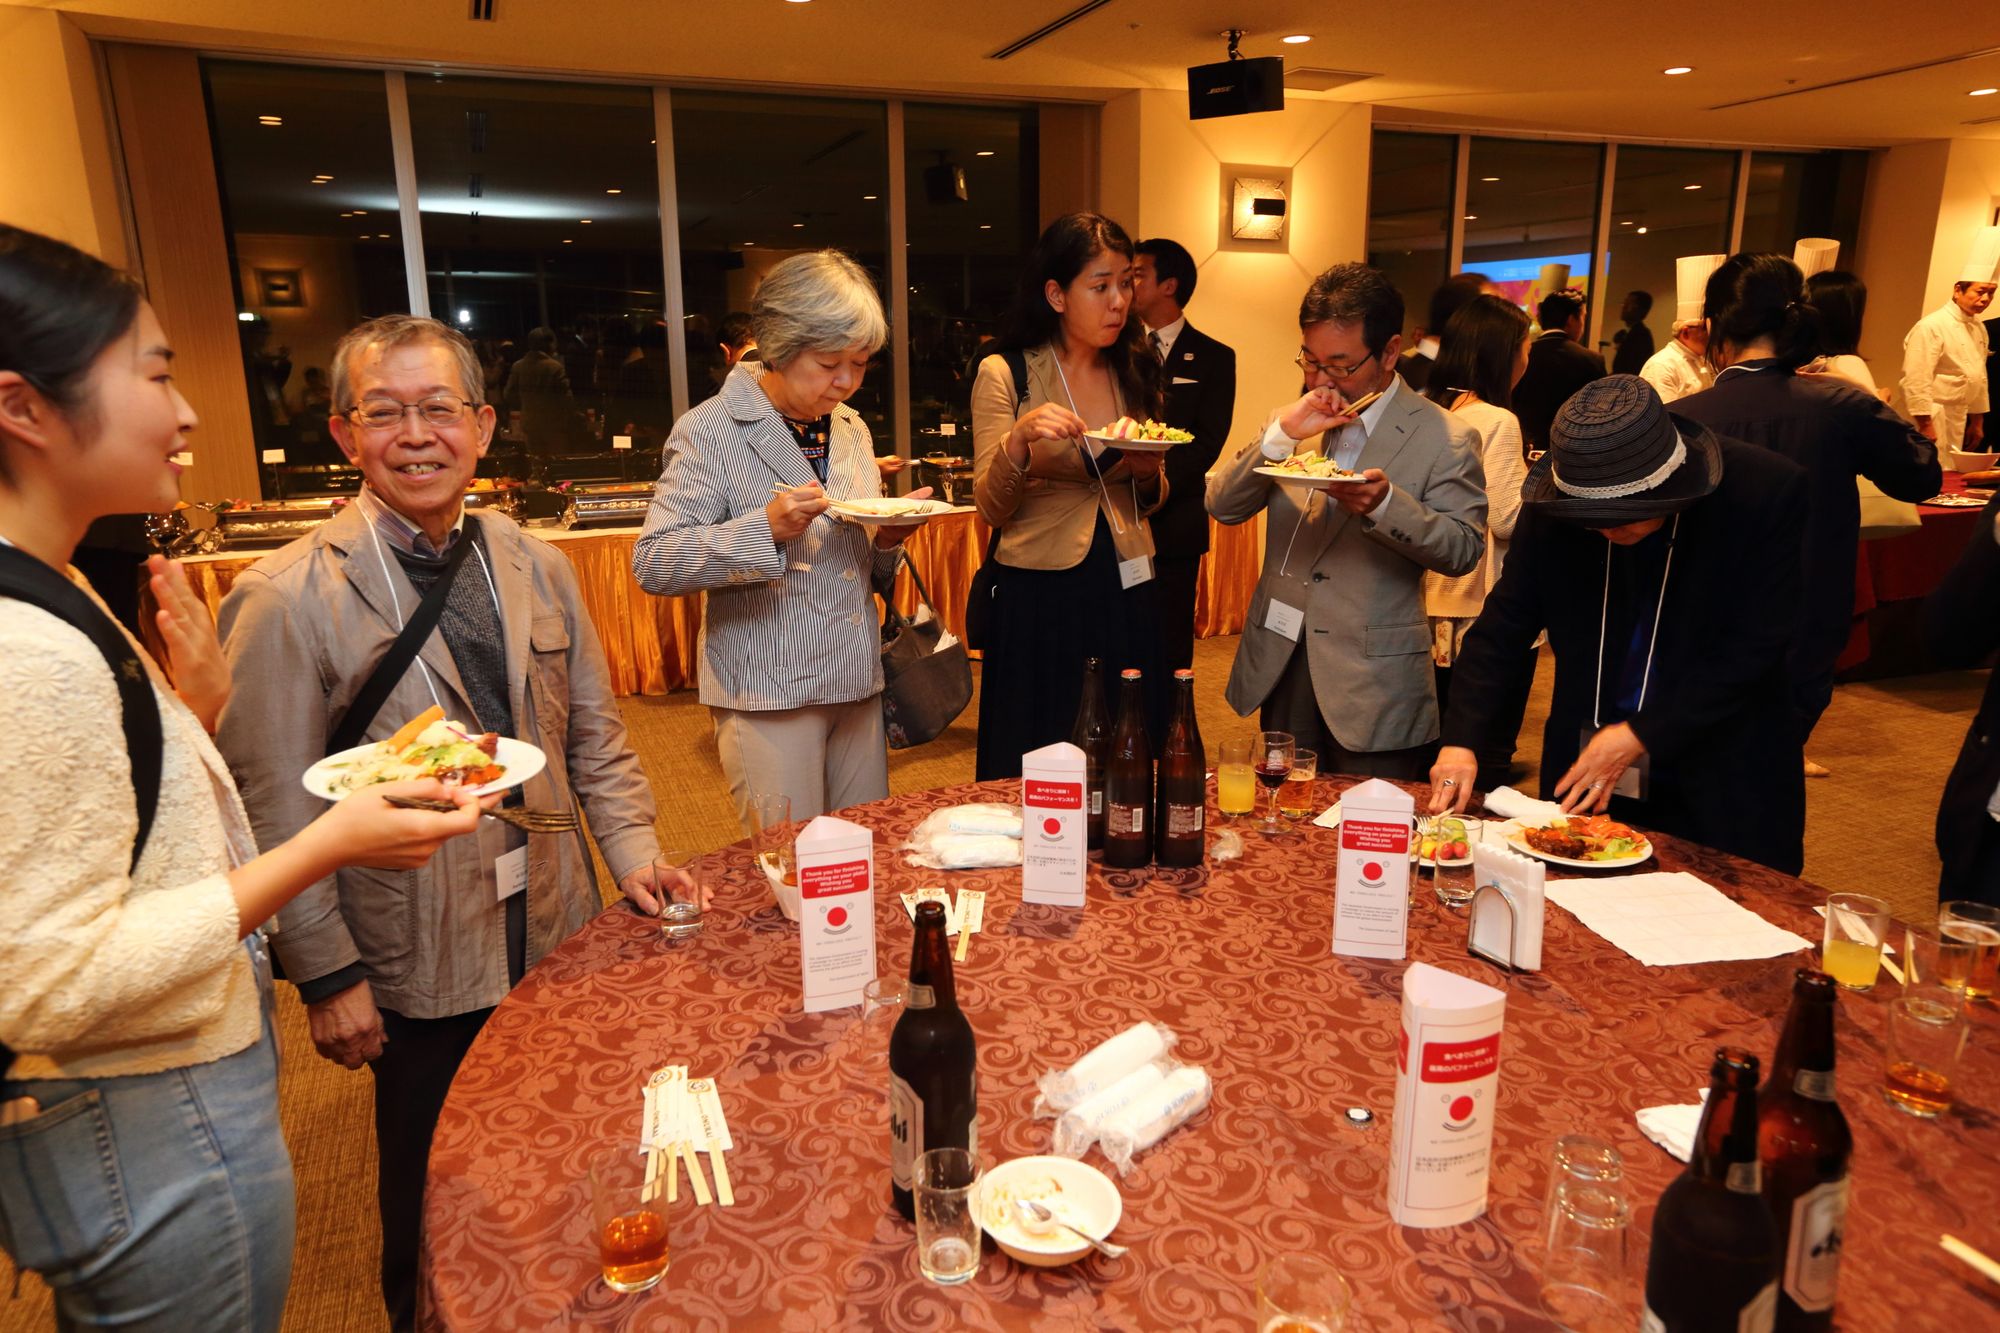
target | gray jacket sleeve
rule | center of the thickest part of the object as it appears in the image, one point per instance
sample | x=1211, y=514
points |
x=1444, y=527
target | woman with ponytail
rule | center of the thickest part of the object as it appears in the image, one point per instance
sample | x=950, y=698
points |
x=1761, y=329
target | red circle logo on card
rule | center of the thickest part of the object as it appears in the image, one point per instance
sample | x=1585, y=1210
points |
x=1052, y=826
x=837, y=917
x=1461, y=1109
x=1372, y=870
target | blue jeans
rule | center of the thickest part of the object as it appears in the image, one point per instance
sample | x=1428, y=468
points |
x=156, y=1201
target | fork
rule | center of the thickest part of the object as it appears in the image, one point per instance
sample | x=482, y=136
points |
x=529, y=821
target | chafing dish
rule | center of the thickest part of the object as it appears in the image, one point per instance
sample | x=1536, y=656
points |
x=948, y=475
x=609, y=506
x=261, y=526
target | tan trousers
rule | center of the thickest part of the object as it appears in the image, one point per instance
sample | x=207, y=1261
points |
x=825, y=757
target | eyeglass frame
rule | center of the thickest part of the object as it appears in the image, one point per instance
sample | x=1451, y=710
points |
x=465, y=407
x=1308, y=366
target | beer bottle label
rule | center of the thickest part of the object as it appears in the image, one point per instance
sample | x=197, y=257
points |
x=1096, y=801
x=1814, y=1084
x=1183, y=819
x=1812, y=1254
x=1745, y=1178
x=1127, y=819
x=906, y=1131
x=1761, y=1314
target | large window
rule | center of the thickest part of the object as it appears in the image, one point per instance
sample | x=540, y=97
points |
x=1531, y=214
x=1665, y=203
x=1794, y=195
x=308, y=183
x=1411, y=178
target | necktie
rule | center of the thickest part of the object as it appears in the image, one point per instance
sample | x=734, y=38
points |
x=1158, y=352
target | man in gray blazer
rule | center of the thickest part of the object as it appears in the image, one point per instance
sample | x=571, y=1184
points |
x=1344, y=566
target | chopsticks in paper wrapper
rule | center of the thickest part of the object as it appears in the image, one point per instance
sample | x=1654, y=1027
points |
x=679, y=1116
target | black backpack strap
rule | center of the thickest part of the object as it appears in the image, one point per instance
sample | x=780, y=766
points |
x=374, y=692
x=1017, y=363
x=26, y=579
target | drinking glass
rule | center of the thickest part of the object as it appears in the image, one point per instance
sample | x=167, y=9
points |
x=1301, y=1293
x=1235, y=779
x=1977, y=925
x=679, y=919
x=772, y=843
x=1452, y=880
x=631, y=1235
x=1295, y=796
x=1931, y=959
x=1585, y=1268
x=947, y=1227
x=1927, y=1029
x=1272, y=761
x=1857, y=926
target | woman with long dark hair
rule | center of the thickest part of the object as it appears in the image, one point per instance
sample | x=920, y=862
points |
x=1841, y=300
x=1760, y=332
x=1481, y=357
x=142, y=1169
x=1072, y=557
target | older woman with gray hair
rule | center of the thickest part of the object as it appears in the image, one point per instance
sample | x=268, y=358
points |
x=790, y=662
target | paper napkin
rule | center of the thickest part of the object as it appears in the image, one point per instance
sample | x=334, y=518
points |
x=1670, y=918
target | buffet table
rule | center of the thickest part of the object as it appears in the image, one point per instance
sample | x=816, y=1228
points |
x=1894, y=576
x=652, y=642
x=1235, y=959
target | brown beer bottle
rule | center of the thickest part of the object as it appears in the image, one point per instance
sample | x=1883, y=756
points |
x=1092, y=735
x=933, y=1063
x=1128, y=781
x=1803, y=1143
x=1183, y=782
x=1714, y=1264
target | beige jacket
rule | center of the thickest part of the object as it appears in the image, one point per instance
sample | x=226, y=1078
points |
x=302, y=628
x=105, y=972
x=1047, y=512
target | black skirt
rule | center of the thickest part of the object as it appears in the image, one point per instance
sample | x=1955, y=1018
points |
x=1045, y=623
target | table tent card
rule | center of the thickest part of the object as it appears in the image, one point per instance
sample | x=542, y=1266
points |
x=1447, y=1087
x=1507, y=925
x=1054, y=835
x=1371, y=894
x=836, y=862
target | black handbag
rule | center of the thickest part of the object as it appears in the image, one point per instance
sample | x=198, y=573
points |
x=924, y=687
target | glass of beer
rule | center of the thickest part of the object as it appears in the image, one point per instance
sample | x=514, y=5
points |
x=1585, y=1270
x=631, y=1234
x=1978, y=926
x=1857, y=926
x=947, y=1225
x=1929, y=959
x=1235, y=779
x=1927, y=1029
x=1295, y=798
x=1301, y=1293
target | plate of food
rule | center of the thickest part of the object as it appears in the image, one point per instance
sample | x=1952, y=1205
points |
x=1587, y=842
x=1312, y=469
x=1072, y=1192
x=1140, y=437
x=429, y=745
x=883, y=509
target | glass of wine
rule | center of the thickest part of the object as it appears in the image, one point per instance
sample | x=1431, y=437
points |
x=1272, y=763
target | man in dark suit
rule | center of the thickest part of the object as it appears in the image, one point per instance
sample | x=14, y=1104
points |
x=1635, y=340
x=1201, y=399
x=1665, y=564
x=1456, y=291
x=1963, y=632
x=1558, y=365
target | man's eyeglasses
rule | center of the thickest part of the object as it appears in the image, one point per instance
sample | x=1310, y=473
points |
x=442, y=409
x=1328, y=368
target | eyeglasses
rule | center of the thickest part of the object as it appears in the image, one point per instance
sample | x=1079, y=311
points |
x=440, y=409
x=1327, y=368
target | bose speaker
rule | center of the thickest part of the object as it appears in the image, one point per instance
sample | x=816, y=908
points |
x=1236, y=87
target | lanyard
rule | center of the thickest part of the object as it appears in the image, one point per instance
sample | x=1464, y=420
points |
x=1652, y=640
x=397, y=602
x=1090, y=461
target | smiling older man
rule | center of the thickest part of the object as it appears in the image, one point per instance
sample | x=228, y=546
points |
x=400, y=969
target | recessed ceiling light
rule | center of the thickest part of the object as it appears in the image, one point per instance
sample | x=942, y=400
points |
x=1472, y=217
x=614, y=191
x=1296, y=39
x=1983, y=92
x=1625, y=223
x=1489, y=179
x=361, y=212
x=798, y=2
x=270, y=120
x=321, y=180
x=568, y=241
x=986, y=226
x=381, y=235
x=870, y=196
x=246, y=317
x=1642, y=231
x=1679, y=69
x=797, y=225
x=347, y=215
x=984, y=152
x=1690, y=187
x=583, y=222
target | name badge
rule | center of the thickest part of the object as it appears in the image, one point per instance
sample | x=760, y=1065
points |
x=1635, y=781
x=510, y=873
x=1133, y=572
x=1286, y=620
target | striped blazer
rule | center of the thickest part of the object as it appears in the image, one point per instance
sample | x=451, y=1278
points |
x=786, y=626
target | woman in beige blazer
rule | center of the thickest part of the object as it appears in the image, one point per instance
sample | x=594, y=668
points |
x=1072, y=565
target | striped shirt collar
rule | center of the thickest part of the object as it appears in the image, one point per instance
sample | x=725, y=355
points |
x=400, y=532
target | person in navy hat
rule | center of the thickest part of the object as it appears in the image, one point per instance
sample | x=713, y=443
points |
x=1666, y=565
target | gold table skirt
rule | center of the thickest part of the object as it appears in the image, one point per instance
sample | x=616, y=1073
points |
x=651, y=643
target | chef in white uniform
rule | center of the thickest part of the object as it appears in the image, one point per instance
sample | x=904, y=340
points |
x=1681, y=367
x=1944, y=357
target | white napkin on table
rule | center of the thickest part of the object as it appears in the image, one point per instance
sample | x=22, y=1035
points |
x=998, y=820
x=1153, y=1115
x=1511, y=804
x=1664, y=919
x=1329, y=817
x=1672, y=1127
x=1104, y=1064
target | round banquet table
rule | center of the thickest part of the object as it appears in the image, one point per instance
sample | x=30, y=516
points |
x=1235, y=958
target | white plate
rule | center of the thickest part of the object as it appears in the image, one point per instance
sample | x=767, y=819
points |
x=1134, y=446
x=1089, y=1201
x=1301, y=479
x=521, y=760
x=1519, y=842
x=916, y=512
x=1470, y=824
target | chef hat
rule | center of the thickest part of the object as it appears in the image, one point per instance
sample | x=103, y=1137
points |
x=1815, y=254
x=1982, y=264
x=1691, y=286
x=1554, y=278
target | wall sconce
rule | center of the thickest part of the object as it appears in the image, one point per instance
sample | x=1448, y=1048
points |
x=1256, y=205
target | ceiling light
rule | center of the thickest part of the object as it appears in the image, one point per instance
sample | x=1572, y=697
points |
x=270, y=120
x=986, y=226
x=1296, y=39
x=1489, y=179
x=1690, y=187
x=583, y=222
x=1679, y=69
x=614, y=191
x=246, y=316
x=797, y=225
x=1626, y=223
x=870, y=196
x=361, y=212
x=568, y=241
x=1472, y=217
x=1983, y=92
x=1642, y=231
x=465, y=316
x=984, y=152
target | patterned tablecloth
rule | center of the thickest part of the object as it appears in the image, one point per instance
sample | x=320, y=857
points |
x=1233, y=957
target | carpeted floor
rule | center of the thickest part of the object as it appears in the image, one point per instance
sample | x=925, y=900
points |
x=1889, y=744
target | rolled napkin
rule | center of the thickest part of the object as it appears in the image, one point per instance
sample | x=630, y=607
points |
x=1104, y=1064
x=1672, y=1127
x=1076, y=1130
x=992, y=820
x=1167, y=1106
x=1510, y=804
x=974, y=851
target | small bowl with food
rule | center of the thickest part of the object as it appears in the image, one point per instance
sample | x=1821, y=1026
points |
x=1080, y=1195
